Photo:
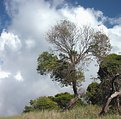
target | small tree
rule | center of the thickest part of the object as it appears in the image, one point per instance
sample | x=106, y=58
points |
x=76, y=47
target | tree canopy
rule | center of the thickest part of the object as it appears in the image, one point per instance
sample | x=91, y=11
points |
x=110, y=70
x=75, y=47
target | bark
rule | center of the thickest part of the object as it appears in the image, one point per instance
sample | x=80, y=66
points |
x=74, y=88
x=71, y=103
x=106, y=105
x=113, y=94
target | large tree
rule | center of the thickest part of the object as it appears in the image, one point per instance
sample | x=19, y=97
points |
x=110, y=76
x=75, y=46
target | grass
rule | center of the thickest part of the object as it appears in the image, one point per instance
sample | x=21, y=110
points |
x=86, y=112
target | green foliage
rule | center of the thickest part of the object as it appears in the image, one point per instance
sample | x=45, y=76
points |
x=108, y=69
x=42, y=103
x=28, y=109
x=62, y=73
x=62, y=99
x=46, y=62
x=60, y=70
x=93, y=93
x=110, y=66
x=59, y=101
x=49, y=103
x=75, y=47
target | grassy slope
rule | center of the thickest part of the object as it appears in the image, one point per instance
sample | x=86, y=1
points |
x=87, y=112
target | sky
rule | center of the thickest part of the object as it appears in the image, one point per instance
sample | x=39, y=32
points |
x=23, y=27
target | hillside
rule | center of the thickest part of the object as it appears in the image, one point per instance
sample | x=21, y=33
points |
x=87, y=112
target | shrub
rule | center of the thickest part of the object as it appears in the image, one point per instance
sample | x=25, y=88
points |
x=93, y=93
x=28, y=109
x=41, y=103
x=62, y=99
x=58, y=101
x=44, y=103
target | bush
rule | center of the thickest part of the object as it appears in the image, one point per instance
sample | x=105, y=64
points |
x=62, y=99
x=93, y=93
x=58, y=101
x=44, y=103
x=28, y=109
x=41, y=103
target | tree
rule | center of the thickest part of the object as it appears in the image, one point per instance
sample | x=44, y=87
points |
x=76, y=47
x=110, y=74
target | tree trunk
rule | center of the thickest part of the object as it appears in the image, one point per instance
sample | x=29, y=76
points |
x=71, y=103
x=74, y=88
x=106, y=105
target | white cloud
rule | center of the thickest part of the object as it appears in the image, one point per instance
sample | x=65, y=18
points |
x=34, y=17
x=114, y=21
x=18, y=76
x=26, y=35
x=115, y=37
x=4, y=74
x=10, y=41
x=83, y=16
x=30, y=44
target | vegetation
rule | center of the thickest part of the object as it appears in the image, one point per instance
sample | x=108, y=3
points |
x=110, y=76
x=75, y=47
x=82, y=112
x=42, y=103
x=57, y=102
x=93, y=96
x=108, y=91
x=63, y=99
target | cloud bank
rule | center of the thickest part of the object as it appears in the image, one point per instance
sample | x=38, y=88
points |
x=24, y=40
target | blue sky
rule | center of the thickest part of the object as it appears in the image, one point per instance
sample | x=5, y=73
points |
x=110, y=8
x=4, y=17
x=25, y=24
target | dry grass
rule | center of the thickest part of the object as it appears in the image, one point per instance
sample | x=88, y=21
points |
x=87, y=112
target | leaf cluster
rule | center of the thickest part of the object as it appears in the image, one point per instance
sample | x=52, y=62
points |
x=110, y=66
x=60, y=70
x=41, y=103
